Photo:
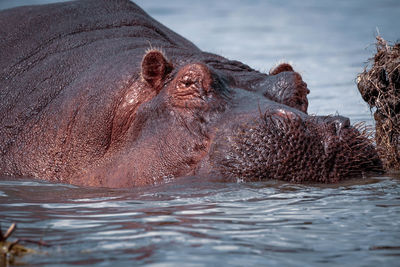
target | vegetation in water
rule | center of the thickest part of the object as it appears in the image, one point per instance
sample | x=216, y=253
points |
x=379, y=86
x=11, y=251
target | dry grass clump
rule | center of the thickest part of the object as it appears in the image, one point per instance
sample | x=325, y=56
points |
x=380, y=88
x=10, y=251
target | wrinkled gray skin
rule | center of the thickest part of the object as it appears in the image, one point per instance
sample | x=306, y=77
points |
x=86, y=99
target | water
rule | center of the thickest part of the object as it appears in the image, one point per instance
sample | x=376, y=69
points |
x=197, y=223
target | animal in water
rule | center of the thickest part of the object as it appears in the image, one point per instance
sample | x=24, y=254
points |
x=98, y=93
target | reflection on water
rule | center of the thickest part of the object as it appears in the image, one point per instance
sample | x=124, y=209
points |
x=270, y=223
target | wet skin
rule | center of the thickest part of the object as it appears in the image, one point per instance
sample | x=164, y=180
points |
x=98, y=93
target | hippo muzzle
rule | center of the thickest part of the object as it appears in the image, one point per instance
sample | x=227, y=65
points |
x=291, y=146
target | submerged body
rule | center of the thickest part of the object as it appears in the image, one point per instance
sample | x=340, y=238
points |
x=86, y=99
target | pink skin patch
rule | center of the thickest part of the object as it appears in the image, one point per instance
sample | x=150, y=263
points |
x=285, y=114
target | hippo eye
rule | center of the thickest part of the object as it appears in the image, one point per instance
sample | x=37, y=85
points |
x=192, y=87
x=188, y=81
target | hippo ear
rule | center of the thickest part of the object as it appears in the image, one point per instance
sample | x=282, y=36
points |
x=155, y=68
x=281, y=68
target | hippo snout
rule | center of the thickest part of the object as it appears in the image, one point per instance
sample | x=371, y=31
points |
x=295, y=147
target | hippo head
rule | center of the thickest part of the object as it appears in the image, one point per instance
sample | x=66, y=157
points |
x=84, y=101
x=206, y=118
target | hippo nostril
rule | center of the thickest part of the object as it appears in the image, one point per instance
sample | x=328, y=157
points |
x=335, y=123
x=340, y=123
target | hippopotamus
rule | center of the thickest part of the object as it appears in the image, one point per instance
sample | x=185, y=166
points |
x=98, y=93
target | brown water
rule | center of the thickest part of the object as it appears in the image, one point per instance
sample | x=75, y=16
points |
x=195, y=223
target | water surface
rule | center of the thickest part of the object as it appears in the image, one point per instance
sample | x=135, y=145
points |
x=198, y=223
